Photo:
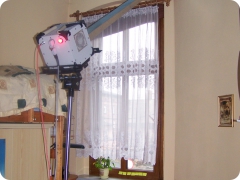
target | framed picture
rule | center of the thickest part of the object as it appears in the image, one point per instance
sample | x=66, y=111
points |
x=225, y=110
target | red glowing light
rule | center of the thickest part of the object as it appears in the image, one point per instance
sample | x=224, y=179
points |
x=60, y=40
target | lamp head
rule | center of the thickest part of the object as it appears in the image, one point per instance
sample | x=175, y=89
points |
x=70, y=42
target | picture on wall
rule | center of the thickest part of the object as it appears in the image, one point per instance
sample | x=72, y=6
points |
x=225, y=110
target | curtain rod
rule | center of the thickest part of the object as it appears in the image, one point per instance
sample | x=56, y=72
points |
x=107, y=10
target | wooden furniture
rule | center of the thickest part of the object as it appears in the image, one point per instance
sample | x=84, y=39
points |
x=22, y=92
x=72, y=177
x=29, y=116
x=26, y=139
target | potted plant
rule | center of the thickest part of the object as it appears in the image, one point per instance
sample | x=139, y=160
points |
x=104, y=165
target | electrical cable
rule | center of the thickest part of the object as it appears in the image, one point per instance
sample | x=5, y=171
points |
x=41, y=114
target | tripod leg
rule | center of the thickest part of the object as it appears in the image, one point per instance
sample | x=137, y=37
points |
x=68, y=131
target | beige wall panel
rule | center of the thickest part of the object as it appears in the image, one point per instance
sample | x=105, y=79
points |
x=86, y=5
x=20, y=21
x=169, y=92
x=207, y=47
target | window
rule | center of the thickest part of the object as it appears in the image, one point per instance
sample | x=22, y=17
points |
x=126, y=94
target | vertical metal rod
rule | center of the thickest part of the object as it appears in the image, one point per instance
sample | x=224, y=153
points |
x=68, y=131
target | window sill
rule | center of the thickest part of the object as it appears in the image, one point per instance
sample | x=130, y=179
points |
x=87, y=177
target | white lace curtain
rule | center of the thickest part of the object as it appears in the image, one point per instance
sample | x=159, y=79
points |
x=117, y=107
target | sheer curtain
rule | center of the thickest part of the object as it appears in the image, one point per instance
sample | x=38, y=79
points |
x=117, y=105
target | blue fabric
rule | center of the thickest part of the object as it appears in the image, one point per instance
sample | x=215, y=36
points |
x=2, y=156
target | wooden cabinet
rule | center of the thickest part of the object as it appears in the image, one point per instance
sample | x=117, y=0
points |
x=24, y=142
x=25, y=157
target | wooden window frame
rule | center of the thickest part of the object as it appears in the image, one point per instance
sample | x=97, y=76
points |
x=157, y=173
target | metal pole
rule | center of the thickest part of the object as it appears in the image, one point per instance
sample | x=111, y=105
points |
x=68, y=131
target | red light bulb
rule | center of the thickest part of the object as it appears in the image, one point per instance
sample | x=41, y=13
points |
x=60, y=40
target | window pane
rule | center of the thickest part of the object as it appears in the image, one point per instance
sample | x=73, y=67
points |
x=141, y=117
x=141, y=95
x=117, y=163
x=134, y=164
x=110, y=104
x=111, y=98
x=142, y=44
x=112, y=48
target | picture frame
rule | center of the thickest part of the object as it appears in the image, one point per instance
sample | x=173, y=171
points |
x=225, y=110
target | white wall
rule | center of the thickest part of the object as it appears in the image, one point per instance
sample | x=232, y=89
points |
x=169, y=92
x=20, y=21
x=207, y=46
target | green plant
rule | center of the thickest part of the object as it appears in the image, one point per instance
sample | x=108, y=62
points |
x=102, y=163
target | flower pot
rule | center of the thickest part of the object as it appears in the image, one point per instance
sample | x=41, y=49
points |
x=104, y=173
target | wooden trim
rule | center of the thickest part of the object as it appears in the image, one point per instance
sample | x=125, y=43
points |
x=24, y=126
x=161, y=96
x=29, y=116
x=77, y=14
x=46, y=117
x=25, y=116
x=59, y=147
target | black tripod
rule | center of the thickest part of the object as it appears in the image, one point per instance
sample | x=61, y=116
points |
x=70, y=83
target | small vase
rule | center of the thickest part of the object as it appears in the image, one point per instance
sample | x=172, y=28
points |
x=104, y=173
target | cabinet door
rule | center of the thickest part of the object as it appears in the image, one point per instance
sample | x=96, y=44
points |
x=25, y=157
